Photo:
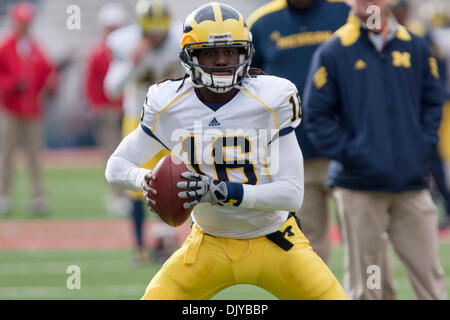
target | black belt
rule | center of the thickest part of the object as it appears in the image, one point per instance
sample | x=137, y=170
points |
x=278, y=238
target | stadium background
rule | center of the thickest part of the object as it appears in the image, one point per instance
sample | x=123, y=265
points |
x=35, y=253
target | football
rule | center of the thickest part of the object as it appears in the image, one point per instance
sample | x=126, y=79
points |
x=168, y=206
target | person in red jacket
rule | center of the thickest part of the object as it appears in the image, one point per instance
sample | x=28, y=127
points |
x=107, y=112
x=25, y=71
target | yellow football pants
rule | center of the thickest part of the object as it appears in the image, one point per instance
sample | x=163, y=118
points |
x=205, y=265
x=129, y=124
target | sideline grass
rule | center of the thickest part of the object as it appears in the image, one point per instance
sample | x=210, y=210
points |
x=107, y=274
x=73, y=194
x=110, y=274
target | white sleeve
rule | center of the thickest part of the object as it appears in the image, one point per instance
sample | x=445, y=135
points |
x=121, y=43
x=134, y=150
x=117, y=76
x=287, y=189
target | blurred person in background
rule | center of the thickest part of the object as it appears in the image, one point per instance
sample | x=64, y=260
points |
x=107, y=112
x=439, y=190
x=25, y=71
x=286, y=35
x=144, y=53
x=374, y=100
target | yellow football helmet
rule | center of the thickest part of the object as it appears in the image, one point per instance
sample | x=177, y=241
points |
x=215, y=25
x=153, y=16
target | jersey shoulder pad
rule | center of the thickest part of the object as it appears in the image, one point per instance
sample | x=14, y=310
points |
x=269, y=89
x=159, y=97
x=279, y=95
x=288, y=106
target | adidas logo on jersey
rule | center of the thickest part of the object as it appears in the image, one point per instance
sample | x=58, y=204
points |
x=214, y=123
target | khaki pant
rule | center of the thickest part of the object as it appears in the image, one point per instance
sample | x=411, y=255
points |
x=314, y=214
x=409, y=220
x=108, y=133
x=108, y=136
x=27, y=133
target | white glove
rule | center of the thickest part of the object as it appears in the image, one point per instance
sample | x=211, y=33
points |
x=201, y=188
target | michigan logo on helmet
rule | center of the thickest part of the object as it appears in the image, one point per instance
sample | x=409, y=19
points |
x=215, y=25
x=153, y=16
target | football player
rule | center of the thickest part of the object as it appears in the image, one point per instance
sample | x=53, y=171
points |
x=234, y=126
x=143, y=53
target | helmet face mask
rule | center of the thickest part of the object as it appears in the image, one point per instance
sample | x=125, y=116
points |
x=203, y=75
x=214, y=26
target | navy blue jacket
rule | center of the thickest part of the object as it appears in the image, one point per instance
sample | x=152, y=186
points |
x=375, y=114
x=285, y=40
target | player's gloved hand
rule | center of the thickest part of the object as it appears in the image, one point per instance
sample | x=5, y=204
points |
x=149, y=192
x=201, y=188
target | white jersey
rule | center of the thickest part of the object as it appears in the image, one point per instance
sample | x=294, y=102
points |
x=133, y=81
x=235, y=143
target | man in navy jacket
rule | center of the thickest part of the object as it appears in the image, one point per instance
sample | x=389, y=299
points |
x=373, y=101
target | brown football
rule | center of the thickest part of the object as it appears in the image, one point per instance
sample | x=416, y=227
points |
x=168, y=206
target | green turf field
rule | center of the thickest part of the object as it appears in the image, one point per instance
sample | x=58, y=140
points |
x=77, y=194
x=74, y=194
x=109, y=274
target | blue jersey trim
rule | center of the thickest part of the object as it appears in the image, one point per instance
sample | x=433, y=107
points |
x=283, y=132
x=151, y=134
x=215, y=106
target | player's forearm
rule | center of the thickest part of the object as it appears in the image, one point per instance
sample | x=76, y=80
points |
x=282, y=195
x=286, y=190
x=122, y=172
x=123, y=165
